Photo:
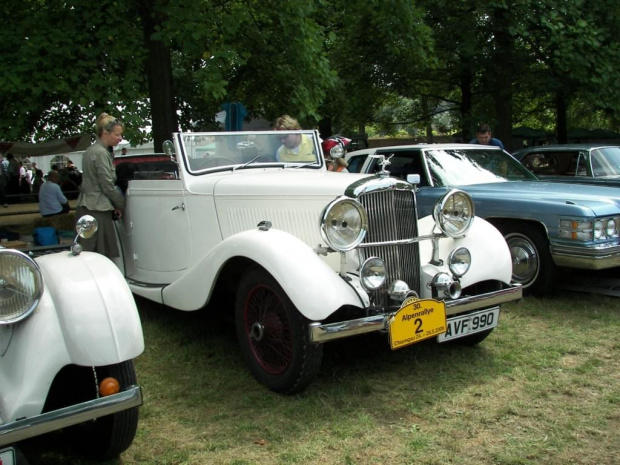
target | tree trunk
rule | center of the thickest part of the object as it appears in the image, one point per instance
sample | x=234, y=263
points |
x=465, y=82
x=561, y=126
x=159, y=77
x=503, y=68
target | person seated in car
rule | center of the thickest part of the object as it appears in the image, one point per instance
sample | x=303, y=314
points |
x=295, y=147
x=51, y=199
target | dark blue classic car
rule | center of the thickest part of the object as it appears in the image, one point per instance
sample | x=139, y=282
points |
x=582, y=163
x=547, y=225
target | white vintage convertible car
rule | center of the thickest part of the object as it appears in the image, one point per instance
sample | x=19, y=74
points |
x=306, y=255
x=69, y=331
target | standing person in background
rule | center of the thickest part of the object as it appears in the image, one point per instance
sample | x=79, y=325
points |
x=98, y=194
x=4, y=180
x=37, y=182
x=484, y=137
x=12, y=171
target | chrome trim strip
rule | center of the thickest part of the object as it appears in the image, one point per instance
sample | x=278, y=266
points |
x=328, y=332
x=401, y=241
x=599, y=258
x=51, y=421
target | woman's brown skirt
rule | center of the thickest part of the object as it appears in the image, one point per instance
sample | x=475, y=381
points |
x=104, y=242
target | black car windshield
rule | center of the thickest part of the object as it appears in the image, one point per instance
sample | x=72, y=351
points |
x=205, y=152
x=453, y=167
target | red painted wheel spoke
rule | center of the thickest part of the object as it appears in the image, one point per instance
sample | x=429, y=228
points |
x=273, y=349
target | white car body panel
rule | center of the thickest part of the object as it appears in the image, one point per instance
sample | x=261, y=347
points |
x=86, y=316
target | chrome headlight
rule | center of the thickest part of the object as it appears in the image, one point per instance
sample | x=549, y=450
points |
x=459, y=261
x=598, y=229
x=454, y=213
x=372, y=273
x=344, y=224
x=610, y=229
x=21, y=286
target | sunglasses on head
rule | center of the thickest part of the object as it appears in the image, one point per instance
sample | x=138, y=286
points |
x=115, y=122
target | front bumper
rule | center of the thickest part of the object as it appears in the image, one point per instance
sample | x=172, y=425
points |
x=320, y=332
x=51, y=421
x=595, y=258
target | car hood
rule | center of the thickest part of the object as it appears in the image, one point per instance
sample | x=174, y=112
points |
x=280, y=183
x=600, y=200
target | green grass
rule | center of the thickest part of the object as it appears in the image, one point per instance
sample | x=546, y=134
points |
x=543, y=388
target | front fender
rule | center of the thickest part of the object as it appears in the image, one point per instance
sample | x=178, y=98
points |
x=311, y=284
x=86, y=316
x=95, y=307
x=490, y=256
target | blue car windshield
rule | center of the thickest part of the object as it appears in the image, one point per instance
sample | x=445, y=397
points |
x=453, y=167
x=606, y=162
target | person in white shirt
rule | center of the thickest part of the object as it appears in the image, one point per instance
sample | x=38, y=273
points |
x=51, y=199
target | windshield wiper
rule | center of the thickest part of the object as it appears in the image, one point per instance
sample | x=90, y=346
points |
x=247, y=163
x=300, y=166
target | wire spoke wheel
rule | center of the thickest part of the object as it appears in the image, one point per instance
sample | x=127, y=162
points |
x=273, y=335
x=268, y=330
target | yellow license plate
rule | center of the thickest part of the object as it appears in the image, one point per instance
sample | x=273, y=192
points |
x=417, y=320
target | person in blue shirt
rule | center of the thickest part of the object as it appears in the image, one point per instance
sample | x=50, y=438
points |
x=484, y=137
x=51, y=199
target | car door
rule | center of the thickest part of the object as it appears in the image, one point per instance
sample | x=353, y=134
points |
x=157, y=225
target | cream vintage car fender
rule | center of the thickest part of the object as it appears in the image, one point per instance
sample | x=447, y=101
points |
x=491, y=258
x=96, y=310
x=311, y=284
x=69, y=331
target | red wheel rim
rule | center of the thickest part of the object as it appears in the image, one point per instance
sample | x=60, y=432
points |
x=268, y=330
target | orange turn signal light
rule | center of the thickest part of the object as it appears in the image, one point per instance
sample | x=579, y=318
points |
x=109, y=386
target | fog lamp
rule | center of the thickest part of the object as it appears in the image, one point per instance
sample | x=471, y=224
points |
x=399, y=290
x=372, y=274
x=459, y=261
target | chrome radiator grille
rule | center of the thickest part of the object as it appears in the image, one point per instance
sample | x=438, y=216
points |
x=392, y=216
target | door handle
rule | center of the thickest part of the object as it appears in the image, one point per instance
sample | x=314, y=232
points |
x=182, y=207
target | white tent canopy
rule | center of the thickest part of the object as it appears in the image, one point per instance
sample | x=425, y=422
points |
x=48, y=154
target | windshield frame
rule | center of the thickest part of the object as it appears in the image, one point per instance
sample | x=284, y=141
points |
x=208, y=152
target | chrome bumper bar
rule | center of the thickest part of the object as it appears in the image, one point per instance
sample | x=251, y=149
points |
x=595, y=258
x=328, y=332
x=51, y=421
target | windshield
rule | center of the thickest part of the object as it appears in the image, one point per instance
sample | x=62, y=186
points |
x=606, y=162
x=235, y=150
x=453, y=167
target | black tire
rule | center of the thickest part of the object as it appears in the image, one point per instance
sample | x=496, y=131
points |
x=532, y=264
x=273, y=335
x=107, y=437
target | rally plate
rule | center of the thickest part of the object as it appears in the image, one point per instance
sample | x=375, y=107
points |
x=416, y=320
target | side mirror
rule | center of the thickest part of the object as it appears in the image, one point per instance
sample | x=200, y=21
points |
x=86, y=227
x=168, y=147
x=413, y=179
